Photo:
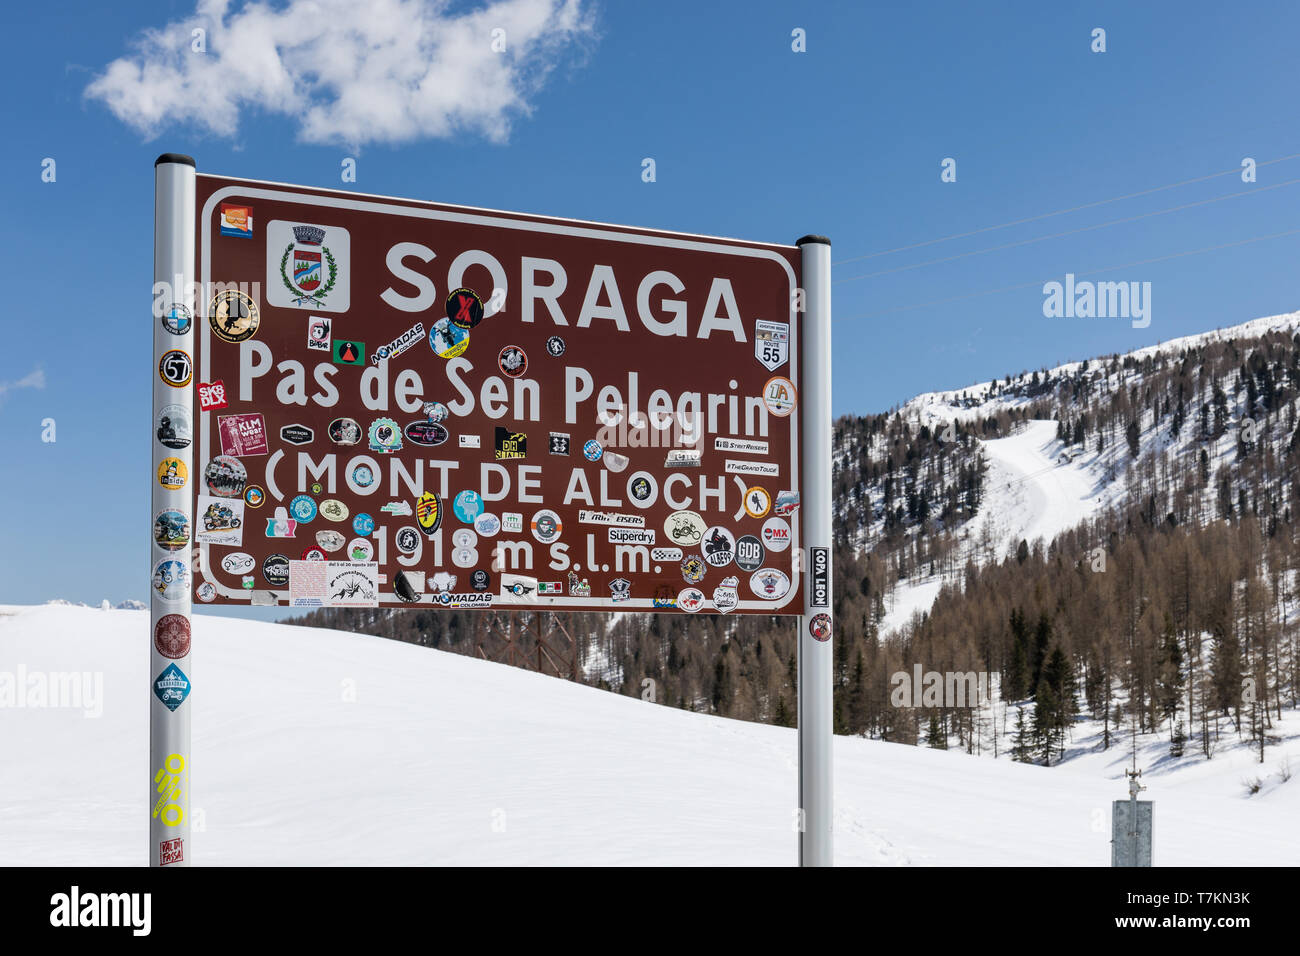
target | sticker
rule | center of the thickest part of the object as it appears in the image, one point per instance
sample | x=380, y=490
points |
x=178, y=320
x=345, y=431
x=612, y=518
x=171, y=636
x=769, y=468
x=171, y=530
x=786, y=503
x=408, y=586
x=407, y=539
x=819, y=626
x=238, y=562
x=690, y=600
x=307, y=266
x=362, y=475
x=771, y=343
x=352, y=584
x=171, y=851
x=487, y=524
x=821, y=578
x=331, y=509
x=347, y=352
x=308, y=583
x=174, y=427
x=719, y=546
x=614, y=461
x=436, y=411
x=749, y=553
x=559, y=443
x=212, y=395
x=464, y=557
x=175, y=368
x=757, y=502
x=428, y=512
x=233, y=316
x=742, y=445
x=550, y=588
x=254, y=496
x=448, y=341
x=685, y=527
x=467, y=506
x=510, y=444
x=779, y=396
x=171, y=579
x=555, y=346
x=220, y=520
x=665, y=554
x=363, y=524
x=385, y=436
x=242, y=435
x=318, y=333
x=664, y=597
x=237, y=221
x=464, y=309
x=631, y=536
x=518, y=586
x=726, y=595
x=206, y=592
x=399, y=344
x=469, y=441
x=311, y=553
x=592, y=450
x=360, y=549
x=512, y=522
x=281, y=526
x=225, y=477
x=513, y=361
x=480, y=580
x=769, y=584
x=776, y=534
x=693, y=569
x=398, y=509
x=428, y=433
x=546, y=526
x=172, y=474
x=464, y=538
x=276, y=570
x=620, y=589
x=303, y=509
x=297, y=434
x=579, y=588
x=640, y=487
x=329, y=540
x=442, y=581
x=171, y=687
x=683, y=458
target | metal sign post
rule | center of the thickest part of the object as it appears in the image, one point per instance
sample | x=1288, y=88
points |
x=172, y=516
x=816, y=801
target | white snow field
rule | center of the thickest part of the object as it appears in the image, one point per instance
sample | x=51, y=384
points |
x=445, y=759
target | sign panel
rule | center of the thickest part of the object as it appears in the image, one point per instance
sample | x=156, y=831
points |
x=1130, y=834
x=469, y=408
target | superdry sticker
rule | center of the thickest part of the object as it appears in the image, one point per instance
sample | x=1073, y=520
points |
x=769, y=584
x=631, y=536
x=743, y=446
x=237, y=221
x=385, y=436
x=427, y=433
x=221, y=520
x=779, y=396
x=749, y=553
x=757, y=502
x=510, y=444
x=719, y=546
x=171, y=636
x=233, y=316
x=318, y=333
x=726, y=595
x=212, y=395
x=819, y=626
x=242, y=435
x=225, y=477
x=171, y=687
x=172, y=474
x=307, y=266
x=297, y=434
x=776, y=534
x=171, y=530
x=171, y=579
x=174, y=428
x=399, y=345
x=821, y=578
x=735, y=467
x=771, y=343
x=175, y=368
x=512, y=361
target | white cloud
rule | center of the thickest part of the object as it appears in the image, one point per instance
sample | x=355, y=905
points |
x=33, y=379
x=346, y=72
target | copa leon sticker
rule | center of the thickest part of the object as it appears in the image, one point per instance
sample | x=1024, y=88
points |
x=821, y=577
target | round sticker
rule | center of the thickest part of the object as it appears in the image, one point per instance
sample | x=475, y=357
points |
x=363, y=476
x=428, y=512
x=303, y=509
x=171, y=530
x=175, y=368
x=329, y=540
x=555, y=346
x=757, y=502
x=276, y=570
x=719, y=546
x=359, y=549
x=592, y=450
x=487, y=525
x=770, y=584
x=171, y=636
x=685, y=528
x=779, y=396
x=312, y=554
x=776, y=534
x=436, y=412
x=468, y=505
x=331, y=509
x=174, y=429
x=233, y=316
x=363, y=524
x=171, y=579
x=464, y=557
x=690, y=600
x=206, y=592
x=819, y=626
x=172, y=474
x=464, y=309
x=513, y=361
x=316, y=488
x=749, y=553
x=546, y=526
x=614, y=461
x=238, y=562
x=345, y=431
x=225, y=476
x=693, y=569
x=464, y=538
x=448, y=341
x=178, y=319
x=407, y=539
x=480, y=580
x=641, y=487
x=254, y=496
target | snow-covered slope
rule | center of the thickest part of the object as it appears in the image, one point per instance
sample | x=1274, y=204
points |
x=445, y=759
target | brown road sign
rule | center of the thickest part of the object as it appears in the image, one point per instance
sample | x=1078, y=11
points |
x=406, y=402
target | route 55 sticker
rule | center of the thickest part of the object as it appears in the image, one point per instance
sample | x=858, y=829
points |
x=771, y=343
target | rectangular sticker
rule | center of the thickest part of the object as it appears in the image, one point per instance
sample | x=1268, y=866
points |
x=821, y=577
x=752, y=467
x=352, y=584
x=242, y=435
x=741, y=445
x=611, y=518
x=219, y=520
x=308, y=583
x=631, y=536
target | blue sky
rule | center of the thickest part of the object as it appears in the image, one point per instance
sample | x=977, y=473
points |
x=750, y=139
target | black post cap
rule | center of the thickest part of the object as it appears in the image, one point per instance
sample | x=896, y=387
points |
x=174, y=158
x=821, y=239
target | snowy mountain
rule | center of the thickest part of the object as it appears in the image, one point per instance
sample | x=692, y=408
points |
x=443, y=759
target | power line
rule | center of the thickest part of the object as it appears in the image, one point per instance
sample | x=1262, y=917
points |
x=1040, y=282
x=1059, y=212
